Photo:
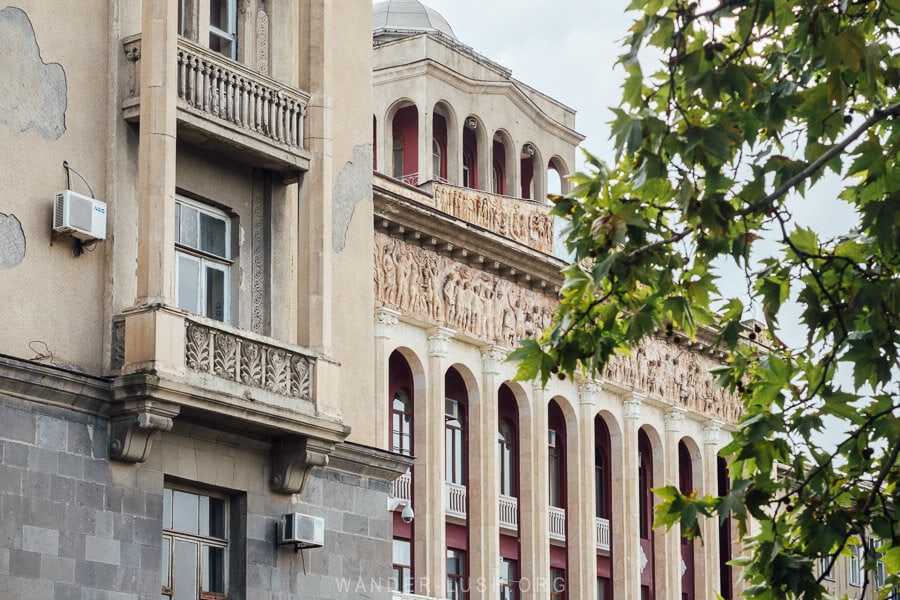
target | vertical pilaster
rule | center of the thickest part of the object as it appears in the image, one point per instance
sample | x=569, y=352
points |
x=582, y=572
x=534, y=519
x=431, y=542
x=669, y=562
x=426, y=136
x=385, y=321
x=484, y=494
x=711, y=574
x=627, y=552
x=284, y=243
x=156, y=154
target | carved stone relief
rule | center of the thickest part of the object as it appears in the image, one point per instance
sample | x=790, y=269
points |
x=262, y=42
x=436, y=288
x=515, y=219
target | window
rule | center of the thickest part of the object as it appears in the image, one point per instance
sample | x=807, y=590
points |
x=509, y=579
x=455, y=454
x=202, y=259
x=557, y=584
x=825, y=568
x=402, y=580
x=506, y=443
x=223, y=27
x=498, y=179
x=397, y=153
x=195, y=545
x=855, y=565
x=555, y=482
x=456, y=575
x=600, y=483
x=602, y=585
x=436, y=159
x=401, y=423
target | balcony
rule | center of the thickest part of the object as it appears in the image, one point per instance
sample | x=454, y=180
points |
x=601, y=527
x=509, y=512
x=557, y=524
x=455, y=500
x=402, y=487
x=227, y=108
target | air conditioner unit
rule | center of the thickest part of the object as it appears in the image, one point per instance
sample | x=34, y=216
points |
x=304, y=531
x=83, y=217
x=451, y=408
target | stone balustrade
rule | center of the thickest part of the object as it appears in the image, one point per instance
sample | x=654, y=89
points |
x=455, y=499
x=557, y=523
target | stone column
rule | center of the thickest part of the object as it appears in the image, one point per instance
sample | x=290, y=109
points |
x=581, y=513
x=385, y=321
x=156, y=154
x=431, y=543
x=709, y=551
x=534, y=519
x=483, y=489
x=668, y=560
x=626, y=540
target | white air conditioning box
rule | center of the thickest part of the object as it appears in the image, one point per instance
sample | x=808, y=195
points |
x=83, y=217
x=304, y=531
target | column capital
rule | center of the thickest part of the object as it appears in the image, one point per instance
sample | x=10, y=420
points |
x=674, y=418
x=633, y=405
x=385, y=320
x=711, y=431
x=439, y=341
x=491, y=357
x=588, y=391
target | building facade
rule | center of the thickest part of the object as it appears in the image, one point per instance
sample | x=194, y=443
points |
x=170, y=391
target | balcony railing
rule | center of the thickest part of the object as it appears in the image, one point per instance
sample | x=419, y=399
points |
x=455, y=499
x=509, y=512
x=402, y=596
x=602, y=529
x=224, y=99
x=402, y=489
x=557, y=523
x=410, y=179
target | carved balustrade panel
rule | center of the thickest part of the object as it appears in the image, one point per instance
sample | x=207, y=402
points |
x=519, y=220
x=244, y=360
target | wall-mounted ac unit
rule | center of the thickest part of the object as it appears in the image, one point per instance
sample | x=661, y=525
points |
x=304, y=531
x=83, y=217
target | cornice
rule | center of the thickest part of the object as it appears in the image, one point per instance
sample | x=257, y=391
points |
x=54, y=386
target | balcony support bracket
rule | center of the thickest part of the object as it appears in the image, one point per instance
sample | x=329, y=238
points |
x=293, y=458
x=134, y=426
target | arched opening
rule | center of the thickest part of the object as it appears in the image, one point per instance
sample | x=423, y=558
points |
x=556, y=172
x=498, y=165
x=456, y=403
x=405, y=144
x=645, y=514
x=686, y=486
x=603, y=506
x=439, y=148
x=508, y=475
x=470, y=153
x=725, y=585
x=557, y=475
x=401, y=419
x=526, y=170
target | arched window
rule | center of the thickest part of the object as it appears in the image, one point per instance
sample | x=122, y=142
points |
x=499, y=179
x=455, y=443
x=401, y=423
x=600, y=483
x=506, y=450
x=436, y=159
x=397, y=153
x=555, y=469
x=467, y=169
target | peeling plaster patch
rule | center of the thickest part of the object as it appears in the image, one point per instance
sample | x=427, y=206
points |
x=353, y=185
x=32, y=93
x=12, y=242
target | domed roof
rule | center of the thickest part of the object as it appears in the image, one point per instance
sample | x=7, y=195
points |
x=407, y=17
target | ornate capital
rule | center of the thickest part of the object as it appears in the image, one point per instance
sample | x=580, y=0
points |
x=385, y=319
x=674, y=418
x=292, y=460
x=439, y=341
x=491, y=357
x=633, y=405
x=132, y=428
x=588, y=391
x=711, y=432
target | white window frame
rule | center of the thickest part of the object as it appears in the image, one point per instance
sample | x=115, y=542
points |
x=854, y=566
x=205, y=260
x=229, y=36
x=827, y=574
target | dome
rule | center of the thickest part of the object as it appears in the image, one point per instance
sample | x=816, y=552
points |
x=397, y=18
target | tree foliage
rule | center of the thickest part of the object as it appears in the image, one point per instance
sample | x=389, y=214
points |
x=753, y=102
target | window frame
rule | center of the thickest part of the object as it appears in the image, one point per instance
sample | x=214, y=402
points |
x=170, y=534
x=401, y=423
x=205, y=259
x=854, y=566
x=225, y=36
x=457, y=588
x=455, y=460
x=506, y=456
x=509, y=579
x=402, y=573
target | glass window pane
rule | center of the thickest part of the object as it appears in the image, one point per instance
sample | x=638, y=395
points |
x=213, y=569
x=185, y=512
x=188, y=226
x=219, y=12
x=184, y=584
x=188, y=285
x=215, y=293
x=401, y=552
x=165, y=561
x=213, y=235
x=167, y=508
x=212, y=517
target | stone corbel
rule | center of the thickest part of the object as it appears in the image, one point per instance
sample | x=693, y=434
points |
x=133, y=427
x=292, y=460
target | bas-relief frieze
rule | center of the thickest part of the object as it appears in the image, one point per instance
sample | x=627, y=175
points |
x=515, y=219
x=435, y=288
x=432, y=287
